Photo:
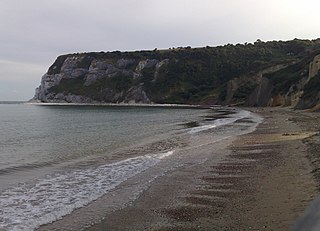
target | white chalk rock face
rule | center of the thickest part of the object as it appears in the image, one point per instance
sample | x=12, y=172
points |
x=88, y=78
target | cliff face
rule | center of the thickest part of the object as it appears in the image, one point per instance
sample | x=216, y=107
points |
x=295, y=85
x=79, y=73
x=253, y=89
x=260, y=74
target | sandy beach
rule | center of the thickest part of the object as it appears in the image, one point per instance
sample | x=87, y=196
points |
x=263, y=181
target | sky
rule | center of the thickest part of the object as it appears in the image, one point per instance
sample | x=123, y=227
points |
x=34, y=32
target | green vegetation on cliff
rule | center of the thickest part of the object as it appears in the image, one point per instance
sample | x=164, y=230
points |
x=187, y=75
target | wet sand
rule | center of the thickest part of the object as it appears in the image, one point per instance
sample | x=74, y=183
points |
x=263, y=181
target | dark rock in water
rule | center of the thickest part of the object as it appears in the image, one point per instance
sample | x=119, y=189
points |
x=192, y=124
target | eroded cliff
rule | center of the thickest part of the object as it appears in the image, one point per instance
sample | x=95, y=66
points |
x=261, y=74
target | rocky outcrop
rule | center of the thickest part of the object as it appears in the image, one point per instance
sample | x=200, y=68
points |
x=68, y=98
x=261, y=94
x=136, y=95
x=263, y=74
x=252, y=90
x=97, y=70
x=310, y=87
x=260, y=89
x=146, y=64
x=314, y=67
x=158, y=66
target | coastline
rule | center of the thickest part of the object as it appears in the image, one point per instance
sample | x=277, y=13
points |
x=124, y=105
x=263, y=181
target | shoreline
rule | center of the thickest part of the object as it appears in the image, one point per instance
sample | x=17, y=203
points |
x=126, y=105
x=263, y=181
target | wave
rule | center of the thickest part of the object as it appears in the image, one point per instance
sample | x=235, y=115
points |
x=27, y=207
x=25, y=167
x=221, y=122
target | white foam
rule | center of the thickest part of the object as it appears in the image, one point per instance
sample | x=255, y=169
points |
x=220, y=122
x=26, y=207
x=164, y=155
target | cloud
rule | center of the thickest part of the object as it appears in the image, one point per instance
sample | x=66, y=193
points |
x=18, y=80
x=35, y=32
x=54, y=27
x=17, y=71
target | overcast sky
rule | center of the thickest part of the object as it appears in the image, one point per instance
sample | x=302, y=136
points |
x=35, y=32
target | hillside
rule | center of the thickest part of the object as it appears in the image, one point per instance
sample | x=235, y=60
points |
x=261, y=74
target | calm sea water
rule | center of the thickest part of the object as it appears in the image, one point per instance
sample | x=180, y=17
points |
x=54, y=159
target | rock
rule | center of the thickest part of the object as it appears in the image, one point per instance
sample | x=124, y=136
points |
x=98, y=65
x=277, y=100
x=71, y=63
x=261, y=95
x=68, y=98
x=127, y=77
x=99, y=70
x=158, y=66
x=314, y=67
x=257, y=86
x=128, y=73
x=78, y=72
x=162, y=63
x=92, y=78
x=146, y=64
x=232, y=86
x=112, y=71
x=47, y=82
x=124, y=63
x=137, y=95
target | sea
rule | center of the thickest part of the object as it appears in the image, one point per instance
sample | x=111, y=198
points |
x=57, y=158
